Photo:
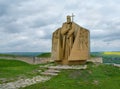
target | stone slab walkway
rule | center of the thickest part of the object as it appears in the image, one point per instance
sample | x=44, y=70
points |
x=117, y=65
x=68, y=67
x=51, y=72
x=24, y=82
x=95, y=60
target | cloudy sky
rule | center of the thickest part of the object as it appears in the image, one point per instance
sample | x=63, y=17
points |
x=27, y=25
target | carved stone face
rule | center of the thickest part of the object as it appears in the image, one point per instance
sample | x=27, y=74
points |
x=68, y=19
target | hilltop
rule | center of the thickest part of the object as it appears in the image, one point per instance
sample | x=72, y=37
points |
x=96, y=76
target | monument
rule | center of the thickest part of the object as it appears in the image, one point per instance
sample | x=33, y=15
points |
x=71, y=43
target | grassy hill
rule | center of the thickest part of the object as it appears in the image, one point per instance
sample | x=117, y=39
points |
x=7, y=55
x=95, y=77
x=45, y=55
x=11, y=69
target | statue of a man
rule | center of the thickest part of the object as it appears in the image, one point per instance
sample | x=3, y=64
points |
x=69, y=43
x=67, y=37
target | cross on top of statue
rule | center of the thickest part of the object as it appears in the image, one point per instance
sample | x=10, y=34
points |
x=72, y=16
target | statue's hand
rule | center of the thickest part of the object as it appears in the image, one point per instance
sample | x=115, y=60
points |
x=65, y=29
x=70, y=32
x=68, y=36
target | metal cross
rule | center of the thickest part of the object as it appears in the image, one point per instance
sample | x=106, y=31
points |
x=72, y=16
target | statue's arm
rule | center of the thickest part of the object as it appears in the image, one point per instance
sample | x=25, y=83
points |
x=64, y=29
x=71, y=31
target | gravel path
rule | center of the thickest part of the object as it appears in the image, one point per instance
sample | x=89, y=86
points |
x=24, y=82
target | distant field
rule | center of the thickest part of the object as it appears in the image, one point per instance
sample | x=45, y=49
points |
x=108, y=57
x=111, y=53
x=26, y=54
x=7, y=55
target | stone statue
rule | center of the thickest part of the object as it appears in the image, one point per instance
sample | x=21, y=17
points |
x=70, y=43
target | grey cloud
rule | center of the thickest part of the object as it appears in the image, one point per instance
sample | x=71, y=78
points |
x=3, y=9
x=110, y=30
x=112, y=38
x=13, y=28
x=27, y=25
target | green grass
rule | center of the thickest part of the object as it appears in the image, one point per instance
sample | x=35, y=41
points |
x=45, y=55
x=95, y=77
x=15, y=68
x=92, y=56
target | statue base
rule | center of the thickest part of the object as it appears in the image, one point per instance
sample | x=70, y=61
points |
x=66, y=62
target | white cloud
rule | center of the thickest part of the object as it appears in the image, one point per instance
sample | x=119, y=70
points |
x=27, y=25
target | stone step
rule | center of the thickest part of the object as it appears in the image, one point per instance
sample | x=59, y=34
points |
x=67, y=67
x=52, y=71
x=49, y=73
x=117, y=65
